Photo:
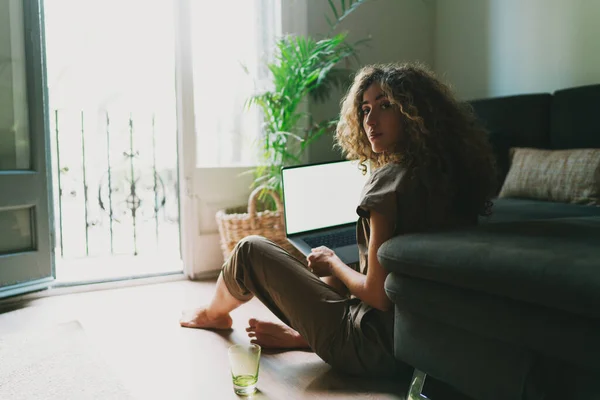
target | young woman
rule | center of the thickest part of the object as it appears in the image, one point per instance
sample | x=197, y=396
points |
x=432, y=168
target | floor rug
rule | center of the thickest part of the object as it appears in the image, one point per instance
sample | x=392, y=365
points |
x=55, y=363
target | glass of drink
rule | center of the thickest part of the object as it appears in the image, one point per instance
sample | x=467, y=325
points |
x=244, y=360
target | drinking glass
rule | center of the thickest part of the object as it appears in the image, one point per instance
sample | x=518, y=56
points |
x=244, y=360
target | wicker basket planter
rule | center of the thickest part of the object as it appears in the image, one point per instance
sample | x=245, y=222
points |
x=237, y=223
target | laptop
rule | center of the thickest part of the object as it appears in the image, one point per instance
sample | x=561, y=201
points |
x=320, y=203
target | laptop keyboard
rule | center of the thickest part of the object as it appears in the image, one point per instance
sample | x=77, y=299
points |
x=332, y=240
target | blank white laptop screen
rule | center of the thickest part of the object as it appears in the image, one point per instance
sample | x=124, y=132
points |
x=322, y=195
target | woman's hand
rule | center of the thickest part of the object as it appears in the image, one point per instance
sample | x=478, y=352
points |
x=319, y=260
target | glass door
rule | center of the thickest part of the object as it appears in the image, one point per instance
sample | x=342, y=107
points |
x=113, y=139
x=26, y=258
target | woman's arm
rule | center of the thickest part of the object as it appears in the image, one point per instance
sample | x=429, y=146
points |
x=369, y=288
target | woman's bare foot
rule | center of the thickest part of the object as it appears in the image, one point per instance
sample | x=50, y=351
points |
x=271, y=335
x=199, y=318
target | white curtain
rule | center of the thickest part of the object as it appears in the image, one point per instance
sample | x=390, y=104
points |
x=232, y=40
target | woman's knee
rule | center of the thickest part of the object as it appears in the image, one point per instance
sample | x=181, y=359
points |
x=252, y=241
x=248, y=250
x=251, y=245
x=243, y=258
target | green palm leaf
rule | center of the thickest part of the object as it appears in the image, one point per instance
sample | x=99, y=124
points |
x=345, y=12
x=302, y=67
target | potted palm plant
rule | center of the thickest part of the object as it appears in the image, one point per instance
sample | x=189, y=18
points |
x=303, y=68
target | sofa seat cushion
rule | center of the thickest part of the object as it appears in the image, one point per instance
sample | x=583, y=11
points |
x=508, y=209
x=554, y=263
x=554, y=333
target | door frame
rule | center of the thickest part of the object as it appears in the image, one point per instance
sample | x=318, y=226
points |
x=186, y=135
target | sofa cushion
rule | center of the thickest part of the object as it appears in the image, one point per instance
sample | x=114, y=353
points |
x=566, y=176
x=574, y=121
x=522, y=120
x=555, y=333
x=525, y=118
x=507, y=209
x=554, y=263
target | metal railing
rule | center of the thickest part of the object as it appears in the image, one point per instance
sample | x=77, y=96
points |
x=116, y=175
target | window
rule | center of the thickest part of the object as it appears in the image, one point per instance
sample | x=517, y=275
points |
x=231, y=43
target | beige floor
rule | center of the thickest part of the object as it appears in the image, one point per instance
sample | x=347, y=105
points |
x=137, y=333
x=99, y=269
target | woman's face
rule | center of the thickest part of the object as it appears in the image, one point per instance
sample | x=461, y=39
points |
x=381, y=120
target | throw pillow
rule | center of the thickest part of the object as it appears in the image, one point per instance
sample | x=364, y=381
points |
x=567, y=176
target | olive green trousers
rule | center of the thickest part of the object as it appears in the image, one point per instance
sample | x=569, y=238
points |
x=326, y=319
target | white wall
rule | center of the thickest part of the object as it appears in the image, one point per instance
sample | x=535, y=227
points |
x=400, y=30
x=502, y=47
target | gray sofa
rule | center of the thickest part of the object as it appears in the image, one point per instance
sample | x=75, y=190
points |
x=509, y=309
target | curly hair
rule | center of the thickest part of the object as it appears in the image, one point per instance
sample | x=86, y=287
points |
x=444, y=143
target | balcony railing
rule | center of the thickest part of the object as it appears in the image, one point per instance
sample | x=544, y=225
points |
x=115, y=183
